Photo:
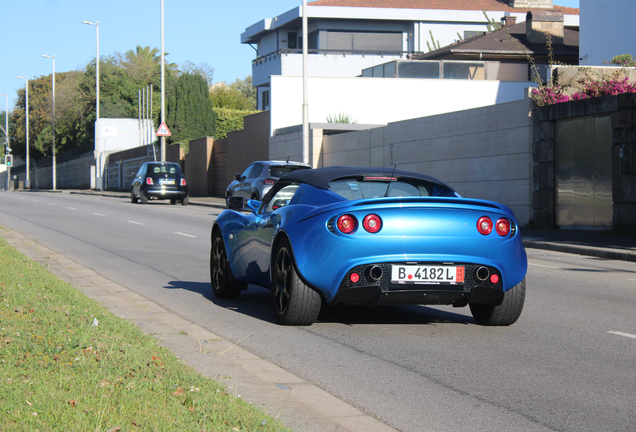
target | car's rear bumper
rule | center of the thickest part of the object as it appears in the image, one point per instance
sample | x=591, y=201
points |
x=164, y=193
x=370, y=285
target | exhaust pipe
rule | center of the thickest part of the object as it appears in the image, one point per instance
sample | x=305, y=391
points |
x=482, y=274
x=373, y=273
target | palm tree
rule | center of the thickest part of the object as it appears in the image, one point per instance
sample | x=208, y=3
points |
x=142, y=64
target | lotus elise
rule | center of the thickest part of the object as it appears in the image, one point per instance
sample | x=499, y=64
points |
x=370, y=236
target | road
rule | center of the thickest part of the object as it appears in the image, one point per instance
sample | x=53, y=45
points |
x=568, y=364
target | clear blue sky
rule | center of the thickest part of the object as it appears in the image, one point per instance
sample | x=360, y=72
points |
x=200, y=31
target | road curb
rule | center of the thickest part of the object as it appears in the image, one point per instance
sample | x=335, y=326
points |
x=605, y=253
x=297, y=403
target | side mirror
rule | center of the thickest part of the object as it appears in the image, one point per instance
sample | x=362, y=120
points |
x=237, y=176
x=253, y=205
x=235, y=203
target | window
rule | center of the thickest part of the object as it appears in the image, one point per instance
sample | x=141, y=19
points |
x=360, y=188
x=281, y=198
x=292, y=40
x=265, y=100
x=281, y=170
x=470, y=33
x=247, y=172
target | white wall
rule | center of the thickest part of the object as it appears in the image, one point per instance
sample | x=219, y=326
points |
x=606, y=30
x=122, y=134
x=382, y=100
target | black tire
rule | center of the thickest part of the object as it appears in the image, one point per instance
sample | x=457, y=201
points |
x=227, y=197
x=185, y=201
x=506, y=313
x=255, y=196
x=173, y=201
x=224, y=285
x=144, y=198
x=294, y=303
x=133, y=199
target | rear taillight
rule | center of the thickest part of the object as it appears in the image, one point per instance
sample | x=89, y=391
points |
x=484, y=225
x=149, y=181
x=503, y=227
x=347, y=224
x=372, y=223
x=269, y=181
x=183, y=183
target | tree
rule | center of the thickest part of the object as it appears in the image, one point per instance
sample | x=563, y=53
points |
x=202, y=69
x=240, y=95
x=190, y=113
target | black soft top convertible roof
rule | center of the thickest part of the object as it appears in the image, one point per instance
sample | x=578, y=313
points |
x=320, y=177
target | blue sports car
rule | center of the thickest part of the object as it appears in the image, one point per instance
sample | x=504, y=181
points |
x=370, y=236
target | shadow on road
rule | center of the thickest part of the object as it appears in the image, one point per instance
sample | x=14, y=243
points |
x=255, y=302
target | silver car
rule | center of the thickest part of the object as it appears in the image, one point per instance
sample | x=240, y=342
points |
x=259, y=177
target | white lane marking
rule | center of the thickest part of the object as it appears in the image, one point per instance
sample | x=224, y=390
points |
x=539, y=265
x=187, y=235
x=629, y=335
x=71, y=208
x=34, y=200
x=135, y=222
x=51, y=204
x=98, y=214
x=632, y=280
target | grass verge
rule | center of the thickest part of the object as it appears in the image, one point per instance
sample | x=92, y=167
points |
x=67, y=364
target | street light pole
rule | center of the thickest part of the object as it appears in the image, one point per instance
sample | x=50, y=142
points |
x=305, y=105
x=6, y=135
x=27, y=182
x=53, y=148
x=98, y=179
x=163, y=92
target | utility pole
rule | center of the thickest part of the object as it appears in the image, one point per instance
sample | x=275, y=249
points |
x=6, y=137
x=53, y=147
x=305, y=105
x=163, y=90
x=27, y=182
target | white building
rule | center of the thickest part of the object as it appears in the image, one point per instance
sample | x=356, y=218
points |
x=605, y=30
x=347, y=36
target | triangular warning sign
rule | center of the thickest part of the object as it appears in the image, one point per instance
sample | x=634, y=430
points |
x=163, y=130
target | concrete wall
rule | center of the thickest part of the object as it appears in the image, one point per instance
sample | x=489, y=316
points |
x=383, y=100
x=247, y=145
x=199, y=169
x=483, y=153
x=73, y=171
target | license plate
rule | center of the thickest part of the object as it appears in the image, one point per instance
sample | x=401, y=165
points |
x=166, y=181
x=418, y=274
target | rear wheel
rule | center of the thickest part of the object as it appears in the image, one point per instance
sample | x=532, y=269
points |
x=144, y=199
x=133, y=198
x=227, y=199
x=504, y=314
x=223, y=283
x=294, y=302
x=173, y=201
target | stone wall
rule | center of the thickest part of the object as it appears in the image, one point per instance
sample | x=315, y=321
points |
x=622, y=109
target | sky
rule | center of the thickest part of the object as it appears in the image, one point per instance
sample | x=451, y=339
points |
x=198, y=31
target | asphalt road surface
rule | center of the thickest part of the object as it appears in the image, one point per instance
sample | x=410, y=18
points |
x=568, y=364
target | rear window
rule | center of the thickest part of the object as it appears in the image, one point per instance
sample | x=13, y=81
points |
x=163, y=169
x=281, y=170
x=374, y=187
